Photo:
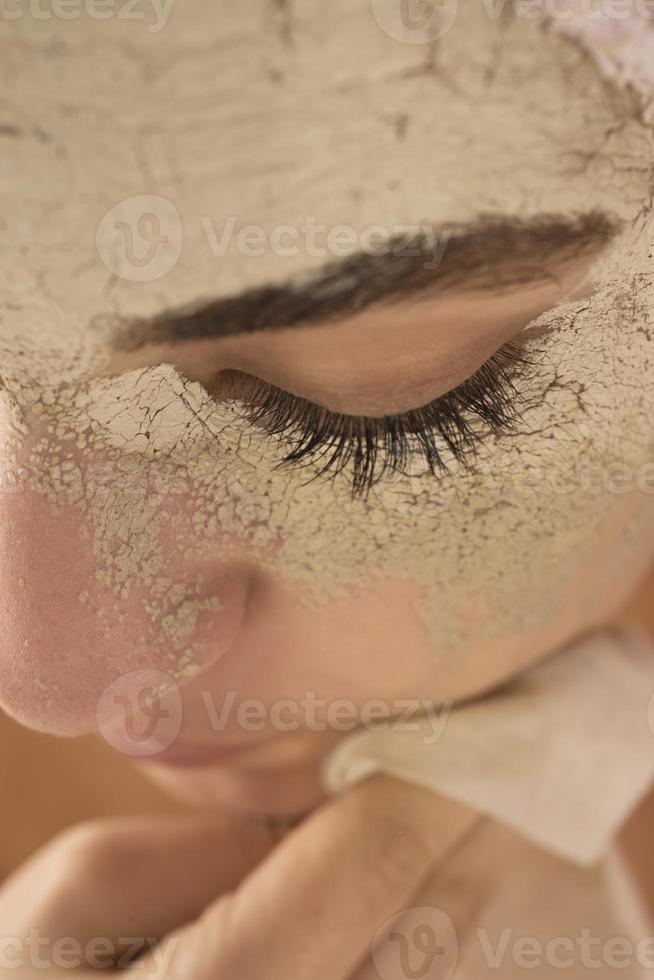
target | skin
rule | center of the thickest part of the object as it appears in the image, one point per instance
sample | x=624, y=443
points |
x=211, y=926
x=334, y=627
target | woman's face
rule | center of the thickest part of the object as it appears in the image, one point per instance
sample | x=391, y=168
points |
x=446, y=246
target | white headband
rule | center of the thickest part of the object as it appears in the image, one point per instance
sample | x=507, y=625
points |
x=618, y=33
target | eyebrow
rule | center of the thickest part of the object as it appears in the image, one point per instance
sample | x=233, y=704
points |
x=494, y=255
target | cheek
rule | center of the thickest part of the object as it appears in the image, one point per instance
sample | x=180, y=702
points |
x=85, y=605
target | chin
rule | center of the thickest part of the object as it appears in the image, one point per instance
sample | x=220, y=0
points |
x=282, y=783
x=242, y=793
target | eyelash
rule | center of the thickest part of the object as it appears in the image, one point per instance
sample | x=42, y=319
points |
x=374, y=448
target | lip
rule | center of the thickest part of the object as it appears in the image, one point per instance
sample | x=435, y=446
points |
x=201, y=756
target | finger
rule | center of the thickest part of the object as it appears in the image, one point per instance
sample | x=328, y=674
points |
x=134, y=877
x=310, y=909
x=432, y=937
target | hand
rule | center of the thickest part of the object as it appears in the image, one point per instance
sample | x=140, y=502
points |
x=229, y=902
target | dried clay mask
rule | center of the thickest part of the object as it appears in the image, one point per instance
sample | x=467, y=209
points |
x=147, y=524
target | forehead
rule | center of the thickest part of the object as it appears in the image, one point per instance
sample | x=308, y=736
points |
x=191, y=124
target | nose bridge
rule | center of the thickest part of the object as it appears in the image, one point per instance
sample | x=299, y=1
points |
x=99, y=579
x=50, y=648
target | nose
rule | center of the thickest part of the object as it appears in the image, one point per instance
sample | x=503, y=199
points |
x=75, y=621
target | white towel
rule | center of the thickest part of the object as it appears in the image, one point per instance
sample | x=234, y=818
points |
x=562, y=754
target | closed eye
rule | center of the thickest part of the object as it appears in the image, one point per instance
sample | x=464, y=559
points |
x=449, y=428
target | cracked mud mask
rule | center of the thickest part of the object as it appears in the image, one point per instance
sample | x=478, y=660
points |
x=326, y=363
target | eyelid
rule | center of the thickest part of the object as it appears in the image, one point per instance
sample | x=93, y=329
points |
x=442, y=431
x=243, y=386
